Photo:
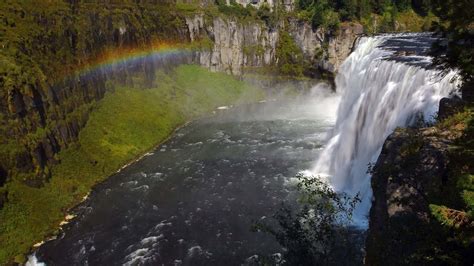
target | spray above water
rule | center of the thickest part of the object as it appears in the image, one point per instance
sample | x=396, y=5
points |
x=378, y=94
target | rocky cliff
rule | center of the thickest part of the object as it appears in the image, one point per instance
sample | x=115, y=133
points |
x=326, y=49
x=415, y=178
x=236, y=44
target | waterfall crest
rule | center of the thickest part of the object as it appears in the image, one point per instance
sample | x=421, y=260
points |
x=378, y=94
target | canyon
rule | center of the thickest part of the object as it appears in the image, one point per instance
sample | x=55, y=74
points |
x=68, y=67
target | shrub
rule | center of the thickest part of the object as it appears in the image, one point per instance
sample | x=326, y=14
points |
x=316, y=232
x=289, y=56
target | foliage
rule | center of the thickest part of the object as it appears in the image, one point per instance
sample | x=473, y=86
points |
x=376, y=15
x=187, y=8
x=235, y=9
x=324, y=16
x=453, y=209
x=457, y=26
x=122, y=126
x=316, y=232
x=347, y=9
x=289, y=56
x=265, y=14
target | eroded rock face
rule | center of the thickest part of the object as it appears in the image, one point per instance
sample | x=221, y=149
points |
x=340, y=46
x=410, y=171
x=237, y=45
x=234, y=45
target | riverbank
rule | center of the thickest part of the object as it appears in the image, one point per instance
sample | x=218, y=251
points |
x=124, y=125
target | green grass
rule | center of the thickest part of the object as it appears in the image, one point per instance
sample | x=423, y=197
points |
x=122, y=126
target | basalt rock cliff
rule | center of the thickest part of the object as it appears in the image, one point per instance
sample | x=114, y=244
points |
x=236, y=45
x=416, y=176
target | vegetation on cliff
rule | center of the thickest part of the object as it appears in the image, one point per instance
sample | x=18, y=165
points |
x=423, y=186
x=453, y=209
x=290, y=57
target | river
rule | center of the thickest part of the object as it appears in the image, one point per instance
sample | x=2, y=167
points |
x=195, y=198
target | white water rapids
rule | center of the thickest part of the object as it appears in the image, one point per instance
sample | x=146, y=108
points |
x=377, y=96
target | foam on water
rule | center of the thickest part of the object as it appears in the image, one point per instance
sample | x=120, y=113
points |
x=33, y=261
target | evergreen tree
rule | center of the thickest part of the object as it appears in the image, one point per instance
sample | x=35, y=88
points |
x=402, y=5
x=422, y=7
x=305, y=4
x=380, y=6
x=458, y=51
x=347, y=9
x=364, y=8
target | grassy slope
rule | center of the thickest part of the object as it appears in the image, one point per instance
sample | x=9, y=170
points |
x=122, y=126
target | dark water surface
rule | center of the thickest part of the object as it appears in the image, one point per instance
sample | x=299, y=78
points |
x=194, y=199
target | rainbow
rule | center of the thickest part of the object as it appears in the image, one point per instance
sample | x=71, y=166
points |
x=116, y=57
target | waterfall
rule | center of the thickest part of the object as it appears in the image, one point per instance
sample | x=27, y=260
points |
x=378, y=94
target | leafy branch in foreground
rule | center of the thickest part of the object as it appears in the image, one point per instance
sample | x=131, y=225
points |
x=317, y=231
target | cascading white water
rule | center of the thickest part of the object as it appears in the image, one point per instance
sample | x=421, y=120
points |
x=378, y=95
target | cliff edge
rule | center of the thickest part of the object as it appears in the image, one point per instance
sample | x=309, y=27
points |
x=421, y=212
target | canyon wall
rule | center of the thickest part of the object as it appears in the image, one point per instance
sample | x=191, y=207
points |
x=237, y=45
x=43, y=109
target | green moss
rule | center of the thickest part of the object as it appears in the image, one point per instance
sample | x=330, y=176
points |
x=122, y=126
x=187, y=8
